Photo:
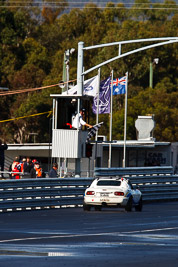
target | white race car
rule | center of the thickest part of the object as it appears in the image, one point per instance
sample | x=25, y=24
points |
x=112, y=192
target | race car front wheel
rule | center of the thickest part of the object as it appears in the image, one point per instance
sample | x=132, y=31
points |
x=139, y=206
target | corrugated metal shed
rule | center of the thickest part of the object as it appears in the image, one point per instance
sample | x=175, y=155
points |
x=68, y=143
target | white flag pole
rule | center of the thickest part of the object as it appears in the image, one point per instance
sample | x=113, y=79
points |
x=97, y=118
x=97, y=113
x=125, y=120
x=110, y=130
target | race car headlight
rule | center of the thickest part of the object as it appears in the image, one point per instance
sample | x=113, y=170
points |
x=118, y=193
x=89, y=193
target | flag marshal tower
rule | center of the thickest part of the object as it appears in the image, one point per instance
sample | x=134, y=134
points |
x=69, y=143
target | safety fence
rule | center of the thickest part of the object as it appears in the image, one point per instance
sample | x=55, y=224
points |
x=157, y=170
x=42, y=193
x=25, y=194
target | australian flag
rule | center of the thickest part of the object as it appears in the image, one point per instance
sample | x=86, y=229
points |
x=104, y=97
x=119, y=86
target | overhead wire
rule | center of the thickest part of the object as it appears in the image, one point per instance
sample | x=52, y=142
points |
x=96, y=7
x=27, y=116
x=20, y=91
x=74, y=4
x=83, y=2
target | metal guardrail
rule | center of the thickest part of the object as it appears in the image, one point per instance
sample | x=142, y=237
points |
x=168, y=170
x=44, y=193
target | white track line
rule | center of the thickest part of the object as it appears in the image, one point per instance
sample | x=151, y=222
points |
x=84, y=235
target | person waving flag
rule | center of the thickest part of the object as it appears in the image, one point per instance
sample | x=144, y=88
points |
x=93, y=130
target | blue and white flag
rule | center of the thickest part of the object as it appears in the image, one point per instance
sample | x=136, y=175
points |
x=90, y=87
x=104, y=97
x=119, y=86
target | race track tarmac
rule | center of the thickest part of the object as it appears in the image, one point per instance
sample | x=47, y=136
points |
x=107, y=238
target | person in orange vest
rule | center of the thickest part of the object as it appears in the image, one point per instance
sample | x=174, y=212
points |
x=33, y=161
x=37, y=171
x=16, y=168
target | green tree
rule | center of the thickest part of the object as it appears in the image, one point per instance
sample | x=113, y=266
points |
x=121, y=13
x=32, y=50
x=30, y=76
x=52, y=10
x=140, y=10
x=36, y=54
x=109, y=12
x=33, y=104
x=164, y=11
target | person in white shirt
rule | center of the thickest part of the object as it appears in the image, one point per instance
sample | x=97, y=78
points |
x=79, y=120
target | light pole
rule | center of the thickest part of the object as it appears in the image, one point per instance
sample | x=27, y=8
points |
x=65, y=85
x=65, y=75
x=155, y=61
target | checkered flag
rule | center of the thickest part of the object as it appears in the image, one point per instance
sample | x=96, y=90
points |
x=92, y=131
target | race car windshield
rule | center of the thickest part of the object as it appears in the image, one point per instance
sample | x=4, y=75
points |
x=108, y=183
